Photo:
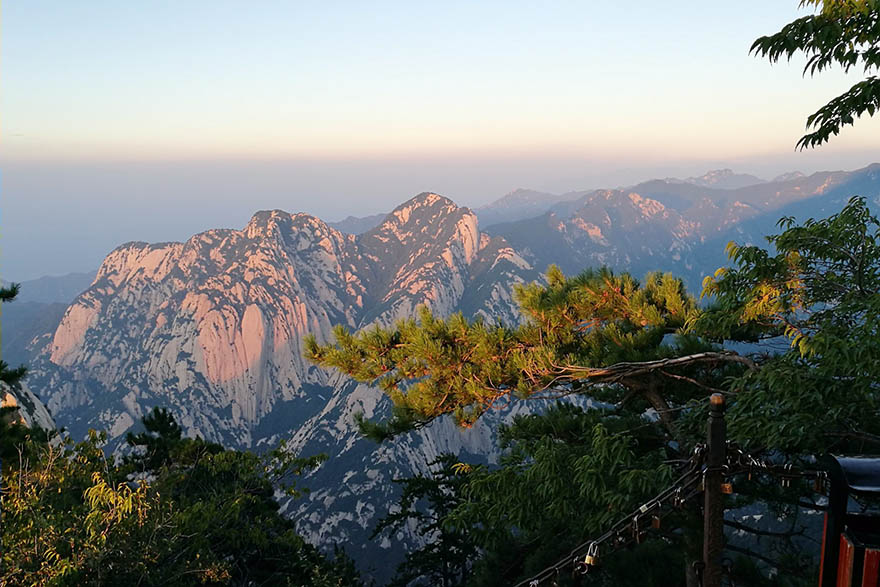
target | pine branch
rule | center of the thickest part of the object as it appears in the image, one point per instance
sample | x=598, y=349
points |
x=619, y=371
x=8, y=293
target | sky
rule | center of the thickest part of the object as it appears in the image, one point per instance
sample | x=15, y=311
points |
x=152, y=121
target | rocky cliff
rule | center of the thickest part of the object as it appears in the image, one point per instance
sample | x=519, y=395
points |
x=212, y=328
x=29, y=411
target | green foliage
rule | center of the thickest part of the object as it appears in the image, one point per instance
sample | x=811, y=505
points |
x=162, y=437
x=9, y=292
x=9, y=375
x=821, y=291
x=566, y=475
x=182, y=512
x=425, y=503
x=225, y=506
x=18, y=442
x=69, y=520
x=843, y=33
x=580, y=335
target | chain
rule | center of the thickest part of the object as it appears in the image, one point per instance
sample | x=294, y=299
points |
x=629, y=528
x=739, y=462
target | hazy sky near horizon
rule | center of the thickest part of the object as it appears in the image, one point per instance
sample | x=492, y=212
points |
x=151, y=121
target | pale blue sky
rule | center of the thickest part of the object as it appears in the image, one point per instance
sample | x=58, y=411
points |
x=152, y=120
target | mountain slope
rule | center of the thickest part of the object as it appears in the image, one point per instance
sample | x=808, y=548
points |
x=36, y=313
x=55, y=289
x=357, y=224
x=212, y=328
x=518, y=205
x=31, y=411
x=26, y=328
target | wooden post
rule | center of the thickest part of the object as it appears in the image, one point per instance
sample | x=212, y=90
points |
x=713, y=512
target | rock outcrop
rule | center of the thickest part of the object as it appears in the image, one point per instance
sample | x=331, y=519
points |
x=30, y=410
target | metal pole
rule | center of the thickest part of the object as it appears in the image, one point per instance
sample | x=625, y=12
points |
x=713, y=513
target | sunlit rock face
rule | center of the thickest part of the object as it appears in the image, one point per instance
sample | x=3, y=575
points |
x=29, y=411
x=213, y=327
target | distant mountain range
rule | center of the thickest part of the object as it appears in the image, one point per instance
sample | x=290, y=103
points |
x=212, y=327
x=675, y=226
x=522, y=203
x=721, y=179
x=357, y=225
x=54, y=288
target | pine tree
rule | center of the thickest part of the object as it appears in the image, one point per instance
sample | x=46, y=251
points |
x=601, y=334
x=425, y=504
x=8, y=375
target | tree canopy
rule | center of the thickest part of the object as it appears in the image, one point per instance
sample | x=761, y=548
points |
x=425, y=503
x=179, y=511
x=844, y=33
x=819, y=290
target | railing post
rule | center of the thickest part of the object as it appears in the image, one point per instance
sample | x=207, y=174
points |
x=713, y=512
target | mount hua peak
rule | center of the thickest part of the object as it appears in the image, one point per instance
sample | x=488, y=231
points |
x=212, y=327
